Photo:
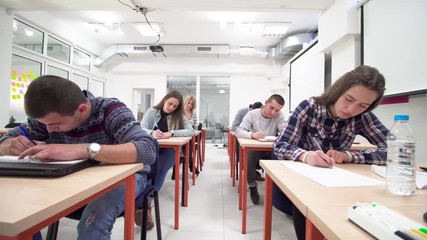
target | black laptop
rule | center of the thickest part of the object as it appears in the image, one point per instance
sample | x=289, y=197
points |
x=31, y=169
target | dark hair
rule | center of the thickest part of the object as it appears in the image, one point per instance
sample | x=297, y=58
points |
x=279, y=99
x=366, y=76
x=177, y=116
x=48, y=93
x=256, y=105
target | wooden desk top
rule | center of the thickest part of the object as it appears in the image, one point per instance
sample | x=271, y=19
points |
x=362, y=146
x=176, y=141
x=327, y=207
x=26, y=201
x=246, y=142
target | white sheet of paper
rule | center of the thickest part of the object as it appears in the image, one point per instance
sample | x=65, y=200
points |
x=268, y=139
x=331, y=177
x=14, y=159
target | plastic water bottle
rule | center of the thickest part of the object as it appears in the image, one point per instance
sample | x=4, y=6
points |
x=401, y=157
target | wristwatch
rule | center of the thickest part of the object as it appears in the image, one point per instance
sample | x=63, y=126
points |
x=93, y=149
x=172, y=133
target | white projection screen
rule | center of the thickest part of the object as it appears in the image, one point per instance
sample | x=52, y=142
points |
x=394, y=41
x=307, y=76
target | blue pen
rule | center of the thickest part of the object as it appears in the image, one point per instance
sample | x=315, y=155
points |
x=156, y=127
x=318, y=146
x=23, y=132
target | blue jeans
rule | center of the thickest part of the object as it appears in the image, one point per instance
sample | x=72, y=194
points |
x=99, y=215
x=280, y=200
x=165, y=162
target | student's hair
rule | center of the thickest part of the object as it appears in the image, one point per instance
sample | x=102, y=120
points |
x=177, y=116
x=279, y=99
x=190, y=98
x=366, y=76
x=255, y=105
x=48, y=93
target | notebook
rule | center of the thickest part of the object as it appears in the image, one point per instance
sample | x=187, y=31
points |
x=33, y=168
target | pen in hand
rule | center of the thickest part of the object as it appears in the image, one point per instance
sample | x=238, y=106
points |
x=320, y=148
x=317, y=144
x=23, y=132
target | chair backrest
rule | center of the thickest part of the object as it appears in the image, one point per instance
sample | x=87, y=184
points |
x=12, y=125
x=154, y=167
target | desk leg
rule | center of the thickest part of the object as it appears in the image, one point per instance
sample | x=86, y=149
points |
x=194, y=156
x=186, y=172
x=240, y=179
x=203, y=146
x=268, y=202
x=199, y=153
x=129, y=207
x=244, y=189
x=177, y=163
x=232, y=145
x=311, y=232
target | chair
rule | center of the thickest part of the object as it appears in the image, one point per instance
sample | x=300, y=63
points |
x=12, y=125
x=142, y=200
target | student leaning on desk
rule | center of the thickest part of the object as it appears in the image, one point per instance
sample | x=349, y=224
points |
x=321, y=130
x=67, y=124
x=257, y=124
x=165, y=120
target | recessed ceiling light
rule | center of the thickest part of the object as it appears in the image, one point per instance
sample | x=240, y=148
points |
x=275, y=29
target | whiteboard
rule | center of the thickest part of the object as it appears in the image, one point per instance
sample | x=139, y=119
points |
x=394, y=37
x=307, y=77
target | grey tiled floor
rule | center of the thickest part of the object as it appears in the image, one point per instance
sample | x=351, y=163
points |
x=212, y=213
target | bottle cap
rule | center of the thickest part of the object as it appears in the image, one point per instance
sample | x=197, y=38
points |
x=401, y=117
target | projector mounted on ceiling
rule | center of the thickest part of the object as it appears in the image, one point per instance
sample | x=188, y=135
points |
x=156, y=48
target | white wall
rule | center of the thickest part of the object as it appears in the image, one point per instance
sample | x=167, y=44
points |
x=251, y=79
x=416, y=109
x=6, y=20
x=121, y=86
x=344, y=47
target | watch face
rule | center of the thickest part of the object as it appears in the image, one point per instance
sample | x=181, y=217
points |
x=95, y=147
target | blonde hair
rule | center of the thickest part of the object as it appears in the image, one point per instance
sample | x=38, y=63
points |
x=190, y=98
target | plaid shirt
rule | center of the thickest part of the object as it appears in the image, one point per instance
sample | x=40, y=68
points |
x=311, y=122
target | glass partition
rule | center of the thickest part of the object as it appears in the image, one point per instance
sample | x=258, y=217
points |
x=24, y=71
x=27, y=36
x=58, y=50
x=80, y=80
x=81, y=59
x=97, y=88
x=51, y=70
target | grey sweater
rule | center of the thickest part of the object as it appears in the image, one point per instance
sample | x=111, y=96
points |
x=255, y=122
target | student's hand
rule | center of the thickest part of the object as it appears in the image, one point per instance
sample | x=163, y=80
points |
x=257, y=135
x=46, y=152
x=339, y=157
x=15, y=146
x=319, y=159
x=158, y=134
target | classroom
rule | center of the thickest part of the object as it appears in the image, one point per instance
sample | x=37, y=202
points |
x=335, y=37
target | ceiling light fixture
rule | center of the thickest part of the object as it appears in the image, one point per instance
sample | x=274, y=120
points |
x=275, y=29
